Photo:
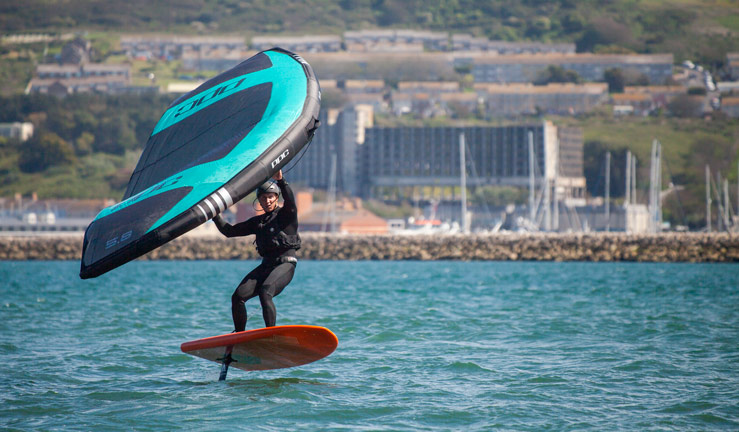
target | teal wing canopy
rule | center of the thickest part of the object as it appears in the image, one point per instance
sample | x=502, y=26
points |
x=212, y=147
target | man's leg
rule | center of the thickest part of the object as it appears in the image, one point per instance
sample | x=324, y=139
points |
x=246, y=290
x=273, y=286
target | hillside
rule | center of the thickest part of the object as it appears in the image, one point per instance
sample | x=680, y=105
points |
x=699, y=30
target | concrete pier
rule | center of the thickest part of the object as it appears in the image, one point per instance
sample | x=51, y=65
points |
x=683, y=247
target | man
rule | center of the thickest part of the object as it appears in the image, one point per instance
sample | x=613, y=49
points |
x=277, y=240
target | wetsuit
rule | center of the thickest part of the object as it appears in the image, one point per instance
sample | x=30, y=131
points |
x=277, y=240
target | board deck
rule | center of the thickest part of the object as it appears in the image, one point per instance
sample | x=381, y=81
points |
x=266, y=348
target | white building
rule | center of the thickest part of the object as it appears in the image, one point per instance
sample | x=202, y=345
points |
x=22, y=131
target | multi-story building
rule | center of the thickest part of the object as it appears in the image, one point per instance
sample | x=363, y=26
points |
x=570, y=170
x=62, y=80
x=464, y=42
x=509, y=100
x=395, y=40
x=426, y=156
x=730, y=106
x=436, y=104
x=172, y=47
x=363, y=160
x=298, y=44
x=732, y=63
x=428, y=86
x=76, y=51
x=591, y=67
x=86, y=70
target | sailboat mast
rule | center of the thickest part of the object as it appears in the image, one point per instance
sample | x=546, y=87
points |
x=608, y=191
x=463, y=173
x=532, y=180
x=627, y=198
x=708, y=198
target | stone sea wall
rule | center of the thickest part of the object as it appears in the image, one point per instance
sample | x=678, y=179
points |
x=690, y=247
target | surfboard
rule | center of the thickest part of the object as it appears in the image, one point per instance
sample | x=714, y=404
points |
x=265, y=348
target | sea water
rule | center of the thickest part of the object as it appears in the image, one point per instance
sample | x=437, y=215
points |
x=422, y=346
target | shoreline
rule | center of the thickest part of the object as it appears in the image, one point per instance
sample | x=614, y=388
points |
x=597, y=247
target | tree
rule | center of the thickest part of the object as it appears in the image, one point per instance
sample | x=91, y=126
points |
x=615, y=79
x=686, y=106
x=83, y=143
x=557, y=74
x=47, y=150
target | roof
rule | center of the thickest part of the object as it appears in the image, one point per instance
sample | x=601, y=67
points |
x=358, y=84
x=295, y=39
x=80, y=81
x=428, y=85
x=459, y=96
x=131, y=39
x=630, y=97
x=552, y=88
x=655, y=89
x=557, y=58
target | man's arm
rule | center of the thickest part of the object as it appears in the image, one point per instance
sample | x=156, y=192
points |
x=240, y=229
x=288, y=197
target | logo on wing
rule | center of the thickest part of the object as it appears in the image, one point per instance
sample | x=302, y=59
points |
x=280, y=158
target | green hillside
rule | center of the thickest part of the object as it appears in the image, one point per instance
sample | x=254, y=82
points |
x=695, y=29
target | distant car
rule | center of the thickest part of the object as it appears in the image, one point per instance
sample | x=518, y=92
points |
x=688, y=64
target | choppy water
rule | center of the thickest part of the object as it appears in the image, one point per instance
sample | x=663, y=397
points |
x=422, y=346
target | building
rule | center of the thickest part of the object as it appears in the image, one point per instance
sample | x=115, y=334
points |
x=435, y=104
x=66, y=71
x=732, y=64
x=64, y=79
x=346, y=216
x=212, y=60
x=430, y=156
x=524, y=68
x=510, y=100
x=31, y=216
x=76, y=51
x=63, y=87
x=363, y=92
x=428, y=87
x=395, y=41
x=465, y=42
x=362, y=86
x=631, y=103
x=357, y=157
x=298, y=44
x=172, y=47
x=17, y=130
x=330, y=159
x=33, y=38
x=571, y=166
x=730, y=106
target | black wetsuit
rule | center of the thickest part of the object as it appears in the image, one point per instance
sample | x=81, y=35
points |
x=277, y=240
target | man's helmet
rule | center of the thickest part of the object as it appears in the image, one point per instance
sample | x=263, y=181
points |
x=269, y=187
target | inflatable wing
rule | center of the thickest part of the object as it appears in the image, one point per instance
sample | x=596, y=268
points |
x=212, y=147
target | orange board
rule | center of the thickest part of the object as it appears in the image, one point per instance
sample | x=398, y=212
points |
x=266, y=348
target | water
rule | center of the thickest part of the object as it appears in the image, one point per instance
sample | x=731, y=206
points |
x=422, y=346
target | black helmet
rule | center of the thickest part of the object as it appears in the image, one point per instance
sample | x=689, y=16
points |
x=269, y=187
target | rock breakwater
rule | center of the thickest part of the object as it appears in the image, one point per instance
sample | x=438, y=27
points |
x=684, y=247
